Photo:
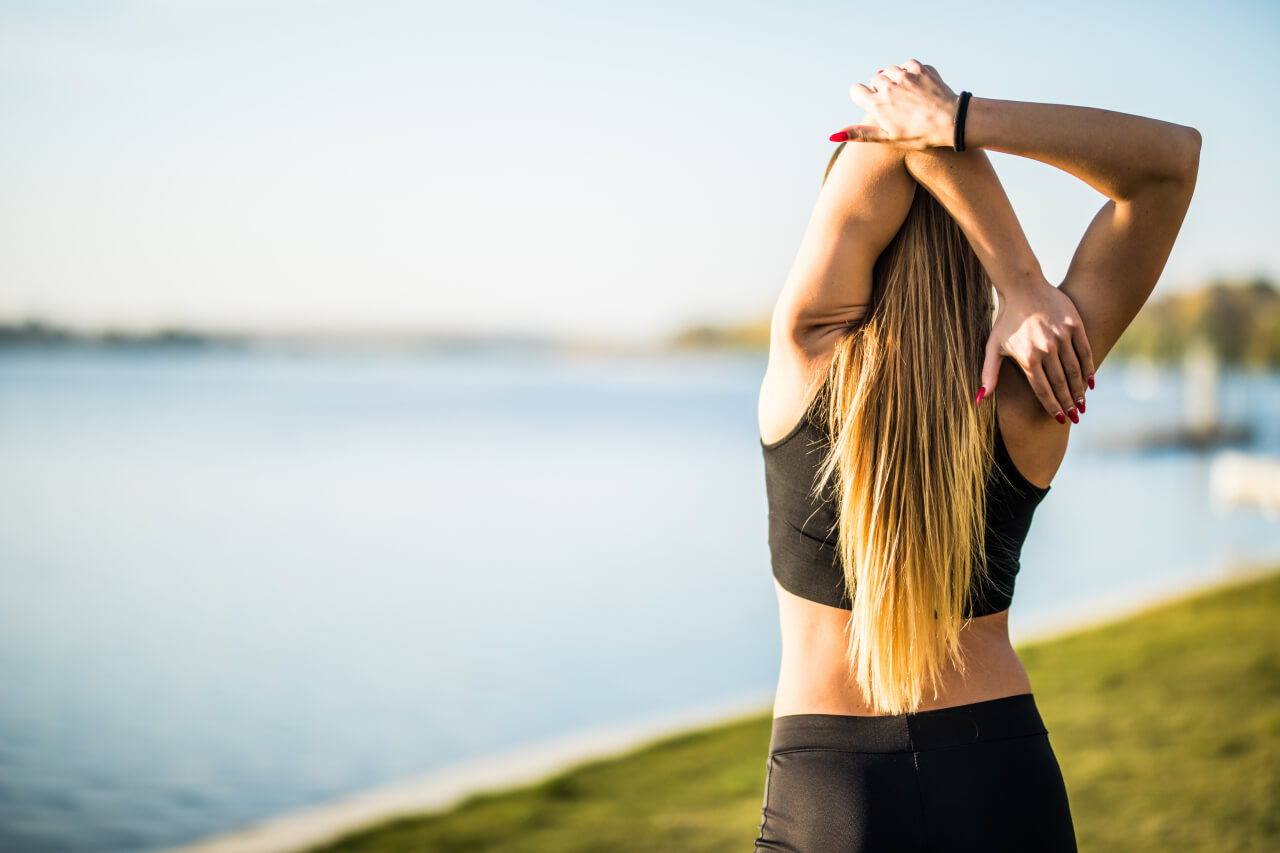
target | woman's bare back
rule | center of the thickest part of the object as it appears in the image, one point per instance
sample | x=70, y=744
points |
x=815, y=676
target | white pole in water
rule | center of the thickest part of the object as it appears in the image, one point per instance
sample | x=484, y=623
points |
x=1200, y=371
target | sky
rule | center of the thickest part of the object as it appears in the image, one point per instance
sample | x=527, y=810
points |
x=594, y=169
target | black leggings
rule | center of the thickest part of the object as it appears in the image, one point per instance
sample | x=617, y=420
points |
x=980, y=776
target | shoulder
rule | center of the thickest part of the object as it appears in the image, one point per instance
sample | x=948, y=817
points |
x=1036, y=442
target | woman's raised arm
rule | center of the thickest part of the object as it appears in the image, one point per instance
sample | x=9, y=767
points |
x=1117, y=154
x=863, y=202
x=1147, y=168
x=1037, y=324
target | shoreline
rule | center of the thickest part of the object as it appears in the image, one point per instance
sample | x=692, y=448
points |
x=446, y=787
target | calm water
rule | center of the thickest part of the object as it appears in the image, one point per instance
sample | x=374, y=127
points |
x=234, y=584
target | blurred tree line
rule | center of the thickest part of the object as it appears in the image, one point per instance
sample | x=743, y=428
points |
x=1239, y=320
x=751, y=336
x=35, y=333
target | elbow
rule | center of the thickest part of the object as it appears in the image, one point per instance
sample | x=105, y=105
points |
x=1170, y=158
x=1176, y=163
x=1189, y=159
x=1192, y=152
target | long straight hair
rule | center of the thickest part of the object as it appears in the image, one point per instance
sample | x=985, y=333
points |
x=909, y=456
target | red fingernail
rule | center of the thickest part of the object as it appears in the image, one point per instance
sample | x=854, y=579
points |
x=1075, y=418
x=839, y=136
x=981, y=391
x=1080, y=403
x=1090, y=382
x=1062, y=419
x=881, y=71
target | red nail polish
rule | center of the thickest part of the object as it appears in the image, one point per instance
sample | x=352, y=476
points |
x=881, y=71
x=839, y=136
x=981, y=392
x=1081, y=404
x=1062, y=419
x=1075, y=418
x=1090, y=382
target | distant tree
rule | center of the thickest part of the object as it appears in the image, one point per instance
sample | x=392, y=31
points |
x=1239, y=320
x=750, y=336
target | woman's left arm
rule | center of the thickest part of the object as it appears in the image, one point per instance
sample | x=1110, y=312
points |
x=863, y=201
x=1036, y=323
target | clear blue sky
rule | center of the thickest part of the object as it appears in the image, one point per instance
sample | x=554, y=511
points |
x=600, y=169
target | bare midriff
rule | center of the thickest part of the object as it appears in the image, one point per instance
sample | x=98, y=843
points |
x=816, y=677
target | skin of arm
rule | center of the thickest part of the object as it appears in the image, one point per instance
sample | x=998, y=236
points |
x=1033, y=314
x=861, y=206
x=1147, y=168
x=966, y=184
x=1115, y=153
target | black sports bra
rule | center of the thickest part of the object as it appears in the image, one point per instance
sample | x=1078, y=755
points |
x=802, y=536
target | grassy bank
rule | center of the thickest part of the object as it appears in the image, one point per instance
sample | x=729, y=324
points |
x=1166, y=725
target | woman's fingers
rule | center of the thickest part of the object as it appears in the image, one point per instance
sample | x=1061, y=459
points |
x=862, y=96
x=1058, y=380
x=907, y=113
x=1041, y=330
x=860, y=133
x=1040, y=385
x=1083, y=352
x=1071, y=370
x=892, y=72
x=990, y=367
x=897, y=73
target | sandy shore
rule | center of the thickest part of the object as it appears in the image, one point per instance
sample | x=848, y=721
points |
x=447, y=786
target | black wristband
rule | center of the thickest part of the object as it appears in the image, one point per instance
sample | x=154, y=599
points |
x=961, y=108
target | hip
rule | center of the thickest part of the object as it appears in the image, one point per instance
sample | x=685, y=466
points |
x=977, y=776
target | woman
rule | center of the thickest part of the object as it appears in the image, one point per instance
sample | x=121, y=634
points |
x=902, y=484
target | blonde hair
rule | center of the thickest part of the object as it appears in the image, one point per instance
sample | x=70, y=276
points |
x=909, y=456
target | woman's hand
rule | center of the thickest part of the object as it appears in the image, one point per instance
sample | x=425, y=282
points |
x=908, y=106
x=1037, y=325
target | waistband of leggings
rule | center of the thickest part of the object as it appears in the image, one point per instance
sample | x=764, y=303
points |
x=939, y=728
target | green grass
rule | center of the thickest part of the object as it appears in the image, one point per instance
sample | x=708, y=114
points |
x=1166, y=726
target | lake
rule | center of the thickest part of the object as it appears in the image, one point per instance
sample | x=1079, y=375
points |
x=235, y=583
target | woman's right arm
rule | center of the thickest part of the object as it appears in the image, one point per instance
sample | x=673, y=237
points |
x=1146, y=167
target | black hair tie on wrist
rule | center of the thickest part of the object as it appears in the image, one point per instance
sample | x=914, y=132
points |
x=961, y=109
